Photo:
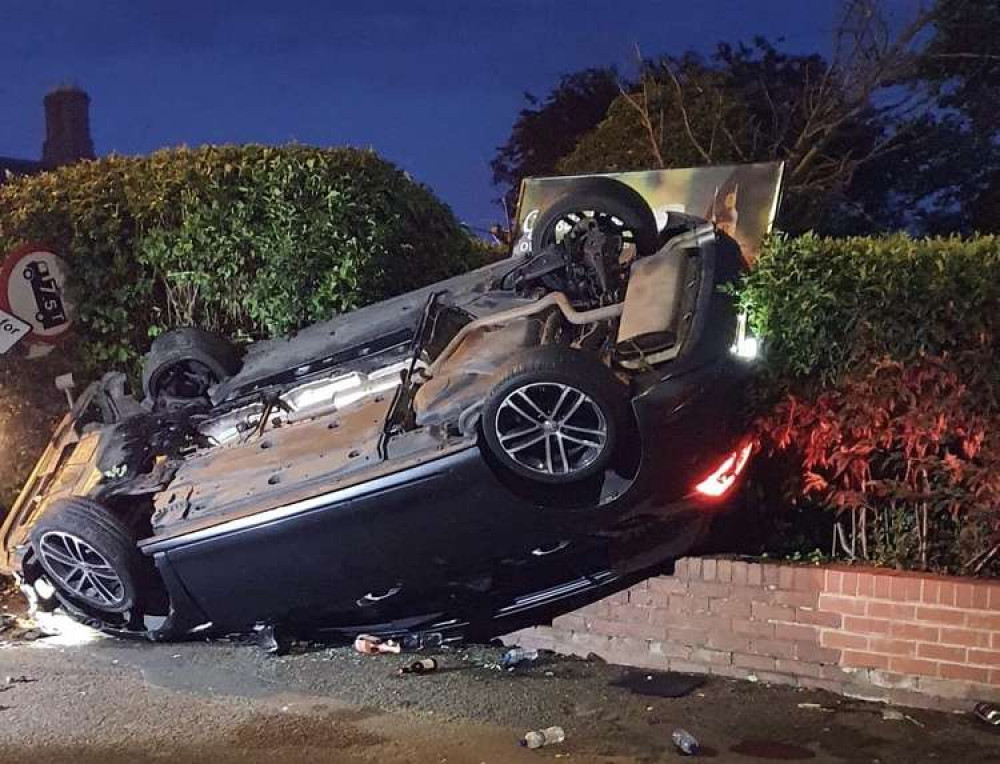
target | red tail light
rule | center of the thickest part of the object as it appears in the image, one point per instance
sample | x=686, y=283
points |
x=724, y=476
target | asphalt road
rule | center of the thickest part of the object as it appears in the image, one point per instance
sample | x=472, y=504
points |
x=226, y=701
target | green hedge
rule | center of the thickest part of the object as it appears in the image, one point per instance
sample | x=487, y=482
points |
x=248, y=240
x=880, y=394
x=825, y=305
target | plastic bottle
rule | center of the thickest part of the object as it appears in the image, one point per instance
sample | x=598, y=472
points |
x=517, y=655
x=540, y=738
x=685, y=742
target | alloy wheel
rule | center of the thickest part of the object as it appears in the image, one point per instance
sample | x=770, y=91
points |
x=81, y=570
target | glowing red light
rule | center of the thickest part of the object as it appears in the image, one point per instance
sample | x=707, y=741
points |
x=724, y=476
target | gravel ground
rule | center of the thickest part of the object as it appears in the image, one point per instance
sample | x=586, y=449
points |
x=112, y=701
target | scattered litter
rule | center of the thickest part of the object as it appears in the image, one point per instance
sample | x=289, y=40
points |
x=892, y=715
x=517, y=655
x=20, y=679
x=540, y=738
x=369, y=645
x=988, y=713
x=752, y=678
x=686, y=743
x=660, y=684
x=550, y=673
x=817, y=707
x=14, y=629
x=424, y=666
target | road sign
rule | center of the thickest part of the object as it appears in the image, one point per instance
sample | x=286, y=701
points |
x=32, y=288
x=12, y=331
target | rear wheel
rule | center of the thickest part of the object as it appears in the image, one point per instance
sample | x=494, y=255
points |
x=89, y=554
x=187, y=363
x=554, y=416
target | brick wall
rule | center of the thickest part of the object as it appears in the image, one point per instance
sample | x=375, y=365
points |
x=900, y=637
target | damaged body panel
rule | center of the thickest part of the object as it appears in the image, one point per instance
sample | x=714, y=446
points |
x=469, y=457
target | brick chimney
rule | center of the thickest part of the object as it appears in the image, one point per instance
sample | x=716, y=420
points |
x=67, y=127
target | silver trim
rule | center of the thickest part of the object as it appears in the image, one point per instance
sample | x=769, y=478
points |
x=420, y=472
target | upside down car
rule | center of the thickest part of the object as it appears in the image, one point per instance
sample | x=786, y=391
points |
x=464, y=459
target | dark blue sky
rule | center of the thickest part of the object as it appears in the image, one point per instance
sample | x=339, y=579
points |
x=433, y=85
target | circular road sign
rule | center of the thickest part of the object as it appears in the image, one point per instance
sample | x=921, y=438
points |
x=32, y=287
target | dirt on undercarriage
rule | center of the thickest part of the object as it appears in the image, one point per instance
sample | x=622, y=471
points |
x=82, y=698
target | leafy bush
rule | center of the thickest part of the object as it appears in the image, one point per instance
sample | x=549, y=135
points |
x=248, y=240
x=881, y=379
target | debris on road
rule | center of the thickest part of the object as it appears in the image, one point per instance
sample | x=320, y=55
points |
x=15, y=629
x=659, y=684
x=686, y=743
x=424, y=666
x=271, y=640
x=816, y=707
x=988, y=713
x=517, y=655
x=20, y=679
x=366, y=644
x=541, y=738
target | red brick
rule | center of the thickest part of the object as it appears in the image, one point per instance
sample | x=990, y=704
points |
x=914, y=631
x=832, y=581
x=753, y=628
x=891, y=610
x=669, y=649
x=963, y=595
x=711, y=657
x=764, y=612
x=640, y=630
x=730, y=671
x=840, y=641
x=966, y=637
x=708, y=568
x=854, y=659
x=795, y=631
x=984, y=657
x=866, y=625
x=892, y=646
x=995, y=598
x=883, y=587
x=932, y=591
x=667, y=585
x=687, y=667
x=685, y=603
x=866, y=584
x=772, y=648
x=904, y=589
x=818, y=617
x=628, y=613
x=811, y=653
x=740, y=574
x=756, y=662
x=985, y=621
x=965, y=673
x=602, y=626
x=730, y=607
x=786, y=578
x=996, y=640
x=730, y=642
x=808, y=579
x=946, y=593
x=995, y=676
x=794, y=599
x=980, y=596
x=709, y=589
x=693, y=637
x=846, y=605
x=724, y=571
x=772, y=573
x=941, y=652
x=849, y=584
x=941, y=615
x=799, y=668
x=913, y=666
x=755, y=574
x=569, y=622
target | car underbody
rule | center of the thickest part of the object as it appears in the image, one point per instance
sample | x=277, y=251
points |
x=464, y=458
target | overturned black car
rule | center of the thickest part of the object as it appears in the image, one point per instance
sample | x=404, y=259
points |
x=464, y=459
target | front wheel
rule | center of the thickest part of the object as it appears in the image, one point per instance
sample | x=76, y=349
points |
x=89, y=554
x=554, y=415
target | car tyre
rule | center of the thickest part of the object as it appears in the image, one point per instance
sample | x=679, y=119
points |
x=554, y=415
x=185, y=363
x=90, y=555
x=602, y=196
